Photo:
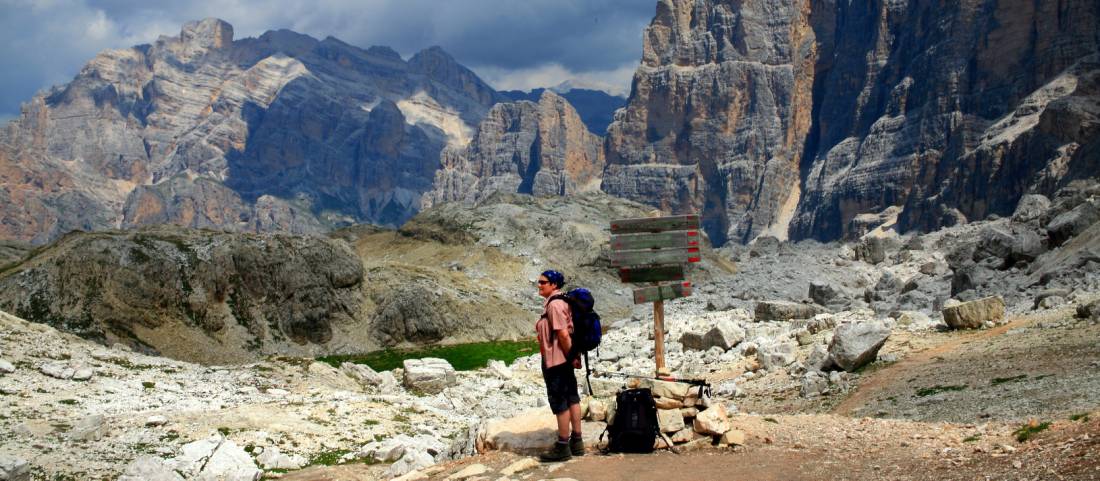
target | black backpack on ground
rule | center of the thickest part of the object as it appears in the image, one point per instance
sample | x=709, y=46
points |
x=634, y=428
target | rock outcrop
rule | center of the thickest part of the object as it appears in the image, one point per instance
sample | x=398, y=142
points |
x=522, y=147
x=278, y=133
x=827, y=120
x=193, y=295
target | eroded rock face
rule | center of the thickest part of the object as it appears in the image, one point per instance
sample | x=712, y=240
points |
x=540, y=148
x=811, y=119
x=719, y=110
x=278, y=133
x=189, y=294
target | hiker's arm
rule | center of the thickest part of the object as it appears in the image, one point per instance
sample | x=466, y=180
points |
x=564, y=340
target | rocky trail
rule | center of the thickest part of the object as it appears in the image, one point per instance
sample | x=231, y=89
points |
x=959, y=434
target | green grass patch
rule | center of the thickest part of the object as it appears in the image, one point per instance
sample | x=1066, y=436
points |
x=1030, y=429
x=464, y=357
x=931, y=391
x=224, y=431
x=328, y=458
x=371, y=422
x=69, y=402
x=1083, y=417
x=1003, y=380
x=148, y=384
x=973, y=438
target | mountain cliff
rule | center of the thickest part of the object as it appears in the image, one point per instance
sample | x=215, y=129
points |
x=799, y=117
x=524, y=147
x=282, y=132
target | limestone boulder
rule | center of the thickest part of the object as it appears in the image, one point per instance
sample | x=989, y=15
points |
x=14, y=469
x=273, y=458
x=785, y=311
x=361, y=373
x=776, y=355
x=147, y=468
x=527, y=433
x=971, y=315
x=216, y=458
x=725, y=335
x=856, y=344
x=429, y=375
x=713, y=421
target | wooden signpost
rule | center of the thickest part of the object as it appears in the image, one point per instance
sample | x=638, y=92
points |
x=656, y=250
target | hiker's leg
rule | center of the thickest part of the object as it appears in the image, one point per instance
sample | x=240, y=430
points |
x=563, y=424
x=574, y=418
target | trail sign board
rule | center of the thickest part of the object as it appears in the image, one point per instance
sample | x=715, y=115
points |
x=655, y=224
x=647, y=257
x=662, y=292
x=671, y=272
x=656, y=249
x=660, y=240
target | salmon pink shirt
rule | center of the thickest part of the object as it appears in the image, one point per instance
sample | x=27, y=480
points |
x=556, y=316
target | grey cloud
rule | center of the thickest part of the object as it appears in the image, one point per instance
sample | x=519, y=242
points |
x=44, y=42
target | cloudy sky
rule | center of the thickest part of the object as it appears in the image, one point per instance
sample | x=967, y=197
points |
x=512, y=44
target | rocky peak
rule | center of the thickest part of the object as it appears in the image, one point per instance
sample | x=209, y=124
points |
x=522, y=147
x=438, y=65
x=207, y=34
x=383, y=51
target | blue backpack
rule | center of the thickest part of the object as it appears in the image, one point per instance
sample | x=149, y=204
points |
x=587, y=330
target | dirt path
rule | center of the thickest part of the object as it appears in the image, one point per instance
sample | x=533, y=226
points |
x=887, y=376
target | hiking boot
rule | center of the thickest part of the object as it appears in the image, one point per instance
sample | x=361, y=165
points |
x=560, y=452
x=576, y=446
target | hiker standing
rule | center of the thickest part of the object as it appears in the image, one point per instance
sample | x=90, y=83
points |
x=554, y=328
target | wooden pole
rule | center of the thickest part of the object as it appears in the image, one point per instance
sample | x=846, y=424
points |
x=659, y=337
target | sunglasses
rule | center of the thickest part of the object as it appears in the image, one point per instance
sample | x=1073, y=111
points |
x=542, y=282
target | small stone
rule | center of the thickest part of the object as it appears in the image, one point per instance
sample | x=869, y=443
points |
x=520, y=466
x=156, y=420
x=733, y=437
x=82, y=373
x=1016, y=463
x=6, y=367
x=597, y=410
x=973, y=314
x=91, y=428
x=57, y=370
x=277, y=392
x=469, y=472
x=683, y=435
x=713, y=421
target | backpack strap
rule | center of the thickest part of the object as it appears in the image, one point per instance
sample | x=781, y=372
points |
x=587, y=373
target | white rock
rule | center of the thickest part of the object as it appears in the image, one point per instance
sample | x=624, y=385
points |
x=156, y=420
x=776, y=355
x=531, y=430
x=670, y=420
x=91, y=428
x=272, y=458
x=499, y=369
x=597, y=410
x=82, y=373
x=58, y=370
x=520, y=466
x=818, y=359
x=361, y=373
x=277, y=392
x=148, y=468
x=6, y=367
x=429, y=375
x=733, y=437
x=412, y=460
x=469, y=472
x=14, y=469
x=216, y=459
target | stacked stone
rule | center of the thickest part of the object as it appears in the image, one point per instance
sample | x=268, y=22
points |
x=684, y=414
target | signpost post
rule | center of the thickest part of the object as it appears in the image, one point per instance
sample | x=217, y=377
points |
x=656, y=250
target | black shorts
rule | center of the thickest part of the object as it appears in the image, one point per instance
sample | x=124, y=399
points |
x=561, y=387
